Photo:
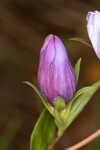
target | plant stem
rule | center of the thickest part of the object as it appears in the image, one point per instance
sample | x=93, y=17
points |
x=55, y=140
x=85, y=141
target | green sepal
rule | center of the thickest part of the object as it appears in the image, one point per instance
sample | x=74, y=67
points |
x=59, y=105
x=83, y=41
x=61, y=113
x=44, y=101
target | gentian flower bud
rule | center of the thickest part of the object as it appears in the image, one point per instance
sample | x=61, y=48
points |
x=93, y=28
x=55, y=74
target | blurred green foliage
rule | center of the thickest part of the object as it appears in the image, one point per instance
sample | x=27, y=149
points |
x=9, y=134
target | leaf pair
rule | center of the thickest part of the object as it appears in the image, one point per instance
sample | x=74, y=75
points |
x=61, y=115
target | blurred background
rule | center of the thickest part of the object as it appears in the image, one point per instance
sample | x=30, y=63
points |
x=23, y=27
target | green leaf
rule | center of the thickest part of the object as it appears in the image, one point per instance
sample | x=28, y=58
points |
x=44, y=132
x=80, y=92
x=45, y=102
x=77, y=69
x=65, y=113
x=81, y=102
x=83, y=41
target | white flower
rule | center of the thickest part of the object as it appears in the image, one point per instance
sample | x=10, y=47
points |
x=93, y=28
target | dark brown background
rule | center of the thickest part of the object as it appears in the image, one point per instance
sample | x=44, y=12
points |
x=23, y=27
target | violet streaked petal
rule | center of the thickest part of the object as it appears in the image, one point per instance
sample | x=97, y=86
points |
x=93, y=28
x=55, y=75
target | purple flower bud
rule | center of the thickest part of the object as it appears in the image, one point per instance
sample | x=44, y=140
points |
x=55, y=75
x=93, y=28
